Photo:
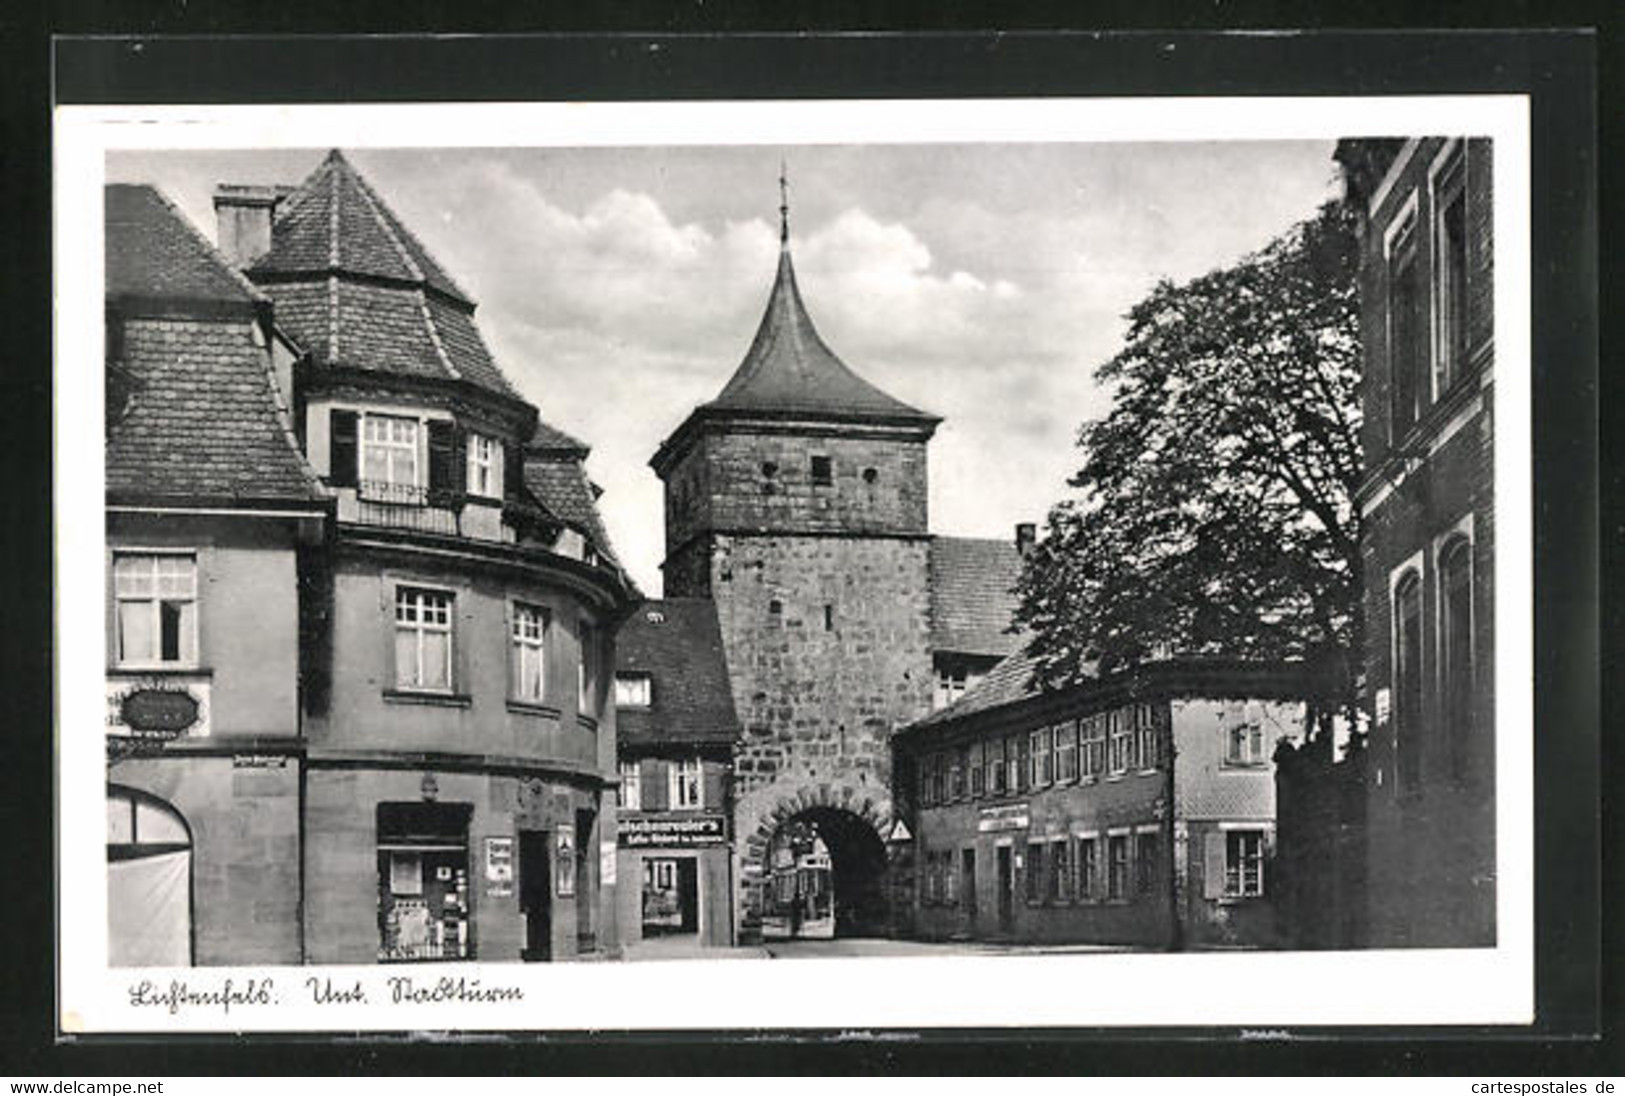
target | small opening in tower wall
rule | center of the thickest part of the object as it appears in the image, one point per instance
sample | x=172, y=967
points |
x=775, y=607
x=769, y=469
x=870, y=475
x=822, y=473
x=829, y=618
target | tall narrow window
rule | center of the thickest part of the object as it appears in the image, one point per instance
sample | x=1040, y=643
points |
x=1456, y=648
x=586, y=668
x=1088, y=868
x=1117, y=866
x=1022, y=779
x=631, y=773
x=389, y=459
x=1060, y=871
x=1450, y=275
x=1066, y=752
x=422, y=639
x=528, y=643
x=1145, y=863
x=156, y=599
x=1407, y=713
x=1122, y=740
x=1041, y=764
x=687, y=785
x=1145, y=733
x=1092, y=745
x=1035, y=872
x=1244, y=863
x=1407, y=332
x=823, y=473
x=977, y=770
x=996, y=769
x=484, y=466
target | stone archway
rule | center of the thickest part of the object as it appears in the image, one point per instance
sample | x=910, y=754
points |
x=852, y=830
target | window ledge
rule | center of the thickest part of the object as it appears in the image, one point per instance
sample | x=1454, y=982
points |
x=532, y=707
x=160, y=669
x=587, y=721
x=439, y=700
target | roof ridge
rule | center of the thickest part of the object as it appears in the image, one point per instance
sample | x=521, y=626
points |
x=373, y=202
x=213, y=252
x=399, y=233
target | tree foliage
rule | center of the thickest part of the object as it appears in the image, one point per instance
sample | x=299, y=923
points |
x=1215, y=508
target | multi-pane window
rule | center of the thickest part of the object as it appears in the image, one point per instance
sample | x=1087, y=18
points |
x=1060, y=872
x=1244, y=863
x=631, y=786
x=1117, y=866
x=1244, y=745
x=686, y=785
x=1407, y=330
x=1088, y=867
x=1456, y=647
x=1035, y=871
x=389, y=451
x=978, y=768
x=1407, y=713
x=951, y=685
x=1450, y=274
x=156, y=597
x=1043, y=760
x=633, y=690
x=484, y=466
x=422, y=638
x=1066, y=752
x=529, y=640
x=997, y=770
x=1145, y=733
x=586, y=668
x=925, y=772
x=1022, y=779
x=1121, y=739
x=1145, y=863
x=1092, y=745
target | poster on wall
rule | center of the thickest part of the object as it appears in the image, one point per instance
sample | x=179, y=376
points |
x=565, y=859
x=606, y=863
x=499, y=866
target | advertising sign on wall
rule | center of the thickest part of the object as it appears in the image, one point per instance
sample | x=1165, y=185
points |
x=669, y=833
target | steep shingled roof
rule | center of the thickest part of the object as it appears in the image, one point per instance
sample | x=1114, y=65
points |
x=358, y=290
x=678, y=643
x=561, y=485
x=789, y=367
x=204, y=421
x=1007, y=682
x=973, y=595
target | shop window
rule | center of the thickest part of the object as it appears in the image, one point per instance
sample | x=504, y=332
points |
x=1244, y=863
x=1146, y=859
x=1456, y=648
x=1244, y=745
x=528, y=644
x=1407, y=331
x=823, y=473
x=1060, y=872
x=156, y=608
x=1035, y=872
x=633, y=690
x=631, y=785
x=1066, y=752
x=484, y=466
x=1088, y=868
x=149, y=882
x=423, y=886
x=687, y=785
x=423, y=639
x=670, y=896
x=1407, y=704
x=1450, y=273
x=1117, y=866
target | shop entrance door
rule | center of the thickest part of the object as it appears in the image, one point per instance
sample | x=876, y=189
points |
x=1007, y=888
x=535, y=895
x=967, y=875
x=671, y=896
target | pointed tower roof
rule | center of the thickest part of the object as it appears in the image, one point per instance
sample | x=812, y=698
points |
x=790, y=369
x=356, y=289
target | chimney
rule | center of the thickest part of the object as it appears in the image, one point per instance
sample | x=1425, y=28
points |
x=1026, y=535
x=243, y=220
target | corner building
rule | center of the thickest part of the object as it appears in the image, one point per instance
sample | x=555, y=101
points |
x=458, y=732
x=796, y=502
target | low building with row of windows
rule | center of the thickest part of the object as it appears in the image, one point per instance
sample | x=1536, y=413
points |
x=361, y=605
x=1137, y=808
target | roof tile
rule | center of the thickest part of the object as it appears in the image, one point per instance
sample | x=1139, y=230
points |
x=678, y=643
x=973, y=600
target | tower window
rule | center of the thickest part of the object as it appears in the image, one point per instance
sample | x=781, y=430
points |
x=775, y=607
x=769, y=469
x=829, y=618
x=870, y=475
x=822, y=471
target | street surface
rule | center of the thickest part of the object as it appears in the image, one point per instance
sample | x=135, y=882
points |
x=686, y=948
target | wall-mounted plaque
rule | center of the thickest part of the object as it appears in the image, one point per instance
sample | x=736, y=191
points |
x=564, y=858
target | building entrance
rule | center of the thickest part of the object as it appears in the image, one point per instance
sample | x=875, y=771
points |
x=149, y=882
x=825, y=877
x=423, y=891
x=536, y=895
x=1007, y=888
x=671, y=896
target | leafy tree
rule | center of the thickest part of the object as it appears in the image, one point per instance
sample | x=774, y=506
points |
x=1215, y=510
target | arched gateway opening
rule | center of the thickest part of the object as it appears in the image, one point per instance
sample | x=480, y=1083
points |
x=824, y=877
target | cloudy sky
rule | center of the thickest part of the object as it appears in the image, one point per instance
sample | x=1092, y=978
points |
x=620, y=287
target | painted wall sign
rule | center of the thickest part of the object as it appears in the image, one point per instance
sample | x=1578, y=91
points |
x=668, y=832
x=158, y=706
x=259, y=761
x=1010, y=816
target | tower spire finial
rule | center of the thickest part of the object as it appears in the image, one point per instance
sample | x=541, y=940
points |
x=784, y=205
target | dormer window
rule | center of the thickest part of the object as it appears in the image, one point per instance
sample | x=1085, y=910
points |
x=633, y=690
x=389, y=454
x=484, y=466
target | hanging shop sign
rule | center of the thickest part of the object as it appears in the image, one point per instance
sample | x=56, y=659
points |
x=680, y=833
x=564, y=859
x=1010, y=816
x=499, y=866
x=158, y=707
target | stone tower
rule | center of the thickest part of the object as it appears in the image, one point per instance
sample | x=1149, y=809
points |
x=796, y=501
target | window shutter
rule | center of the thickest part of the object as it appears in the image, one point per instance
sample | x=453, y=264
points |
x=513, y=470
x=447, y=473
x=1213, y=865
x=652, y=773
x=343, y=457
x=713, y=785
